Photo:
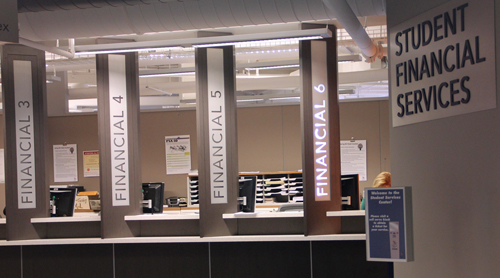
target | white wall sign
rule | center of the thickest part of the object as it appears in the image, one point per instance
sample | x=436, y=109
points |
x=217, y=126
x=9, y=31
x=25, y=143
x=442, y=62
x=65, y=163
x=118, y=131
x=320, y=121
x=353, y=158
x=178, y=154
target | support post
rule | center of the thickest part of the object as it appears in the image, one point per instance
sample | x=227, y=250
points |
x=119, y=145
x=320, y=134
x=26, y=142
x=217, y=139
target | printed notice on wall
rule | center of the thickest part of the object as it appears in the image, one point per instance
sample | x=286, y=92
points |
x=178, y=154
x=353, y=158
x=2, y=167
x=90, y=164
x=65, y=163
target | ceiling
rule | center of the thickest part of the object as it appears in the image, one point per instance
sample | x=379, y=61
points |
x=88, y=22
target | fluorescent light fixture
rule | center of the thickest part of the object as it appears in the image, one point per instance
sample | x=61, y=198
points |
x=346, y=92
x=274, y=67
x=111, y=51
x=258, y=41
x=160, y=90
x=350, y=58
x=53, y=78
x=250, y=100
x=125, y=50
x=167, y=74
x=307, y=34
x=284, y=98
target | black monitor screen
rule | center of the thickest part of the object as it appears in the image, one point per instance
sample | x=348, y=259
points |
x=153, y=191
x=350, y=188
x=248, y=187
x=64, y=201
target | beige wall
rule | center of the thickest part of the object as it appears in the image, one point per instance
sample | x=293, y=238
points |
x=269, y=139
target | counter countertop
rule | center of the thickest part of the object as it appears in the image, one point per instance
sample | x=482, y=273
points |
x=345, y=213
x=77, y=217
x=163, y=216
x=181, y=239
x=284, y=214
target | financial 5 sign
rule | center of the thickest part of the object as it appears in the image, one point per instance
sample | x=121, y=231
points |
x=217, y=126
x=443, y=62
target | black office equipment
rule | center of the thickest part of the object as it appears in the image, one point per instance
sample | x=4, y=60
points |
x=248, y=188
x=63, y=198
x=153, y=193
x=350, y=192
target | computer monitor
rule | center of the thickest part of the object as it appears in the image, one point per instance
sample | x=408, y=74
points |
x=248, y=188
x=350, y=189
x=64, y=200
x=153, y=191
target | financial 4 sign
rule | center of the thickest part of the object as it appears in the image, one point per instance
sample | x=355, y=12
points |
x=443, y=63
x=119, y=131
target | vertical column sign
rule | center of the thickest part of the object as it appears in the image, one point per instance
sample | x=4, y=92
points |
x=217, y=126
x=118, y=130
x=25, y=144
x=320, y=121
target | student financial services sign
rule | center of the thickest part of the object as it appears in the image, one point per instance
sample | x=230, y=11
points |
x=443, y=62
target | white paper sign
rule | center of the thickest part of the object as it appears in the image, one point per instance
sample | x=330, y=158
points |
x=25, y=143
x=353, y=158
x=217, y=126
x=65, y=163
x=118, y=131
x=442, y=62
x=178, y=154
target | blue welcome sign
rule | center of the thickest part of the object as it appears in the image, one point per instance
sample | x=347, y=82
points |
x=389, y=231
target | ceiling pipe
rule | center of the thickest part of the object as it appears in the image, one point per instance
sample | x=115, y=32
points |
x=51, y=49
x=345, y=15
x=54, y=5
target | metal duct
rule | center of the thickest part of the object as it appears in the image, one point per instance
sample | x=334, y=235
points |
x=345, y=15
x=54, y=5
x=117, y=17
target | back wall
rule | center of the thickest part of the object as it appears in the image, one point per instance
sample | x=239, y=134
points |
x=269, y=139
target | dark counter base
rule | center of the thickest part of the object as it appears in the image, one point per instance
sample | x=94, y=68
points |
x=202, y=260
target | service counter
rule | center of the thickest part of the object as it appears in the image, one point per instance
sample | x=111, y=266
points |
x=341, y=255
x=172, y=222
x=80, y=225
